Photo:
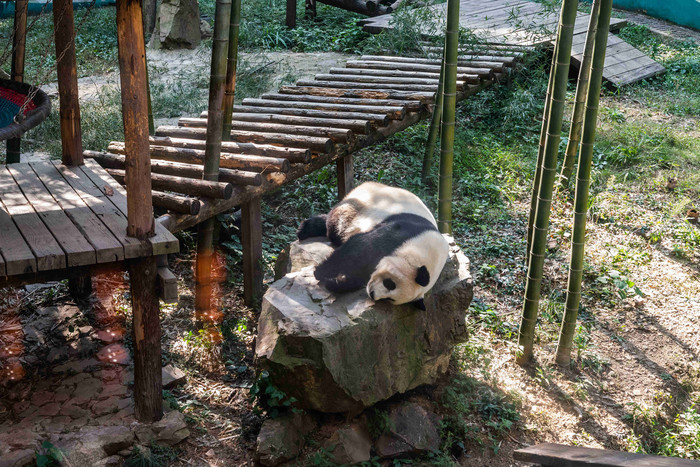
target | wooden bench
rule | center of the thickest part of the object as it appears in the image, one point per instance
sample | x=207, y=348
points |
x=560, y=455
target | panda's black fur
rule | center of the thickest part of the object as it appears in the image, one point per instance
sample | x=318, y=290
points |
x=350, y=265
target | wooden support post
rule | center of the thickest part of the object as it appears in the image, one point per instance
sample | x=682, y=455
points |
x=143, y=272
x=167, y=282
x=310, y=9
x=148, y=384
x=345, y=175
x=251, y=239
x=291, y=17
x=66, y=68
x=203, y=264
x=80, y=287
x=132, y=66
x=17, y=68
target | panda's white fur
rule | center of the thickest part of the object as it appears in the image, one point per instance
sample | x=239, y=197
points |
x=387, y=241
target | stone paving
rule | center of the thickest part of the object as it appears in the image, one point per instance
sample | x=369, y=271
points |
x=70, y=384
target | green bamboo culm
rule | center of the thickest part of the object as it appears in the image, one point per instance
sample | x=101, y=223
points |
x=447, y=129
x=583, y=176
x=434, y=125
x=212, y=154
x=540, y=157
x=549, y=166
x=580, y=100
x=232, y=63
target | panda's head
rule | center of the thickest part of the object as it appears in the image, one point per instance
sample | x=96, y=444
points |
x=396, y=280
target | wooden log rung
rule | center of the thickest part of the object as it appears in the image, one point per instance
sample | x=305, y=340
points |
x=188, y=186
x=389, y=94
x=374, y=118
x=410, y=105
x=294, y=155
x=370, y=75
x=394, y=112
x=369, y=86
x=176, y=203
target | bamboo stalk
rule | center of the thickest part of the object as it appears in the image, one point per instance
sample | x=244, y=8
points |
x=434, y=127
x=540, y=157
x=580, y=99
x=447, y=130
x=573, y=294
x=338, y=135
x=423, y=97
x=187, y=186
x=294, y=155
x=176, y=203
x=248, y=163
x=179, y=169
x=232, y=63
x=541, y=226
x=315, y=144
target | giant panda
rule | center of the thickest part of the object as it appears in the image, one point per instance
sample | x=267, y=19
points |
x=387, y=242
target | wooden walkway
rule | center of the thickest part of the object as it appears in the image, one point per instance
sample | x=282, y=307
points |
x=54, y=217
x=559, y=455
x=285, y=135
x=526, y=23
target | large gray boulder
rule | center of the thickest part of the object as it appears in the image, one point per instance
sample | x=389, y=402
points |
x=177, y=25
x=345, y=353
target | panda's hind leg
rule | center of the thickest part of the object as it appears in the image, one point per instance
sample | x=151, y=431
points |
x=312, y=227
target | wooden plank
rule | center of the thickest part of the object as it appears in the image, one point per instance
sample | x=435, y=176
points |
x=367, y=86
x=627, y=67
x=79, y=252
x=556, y=455
x=107, y=247
x=44, y=246
x=638, y=74
x=15, y=255
x=345, y=175
x=163, y=242
x=411, y=105
x=101, y=204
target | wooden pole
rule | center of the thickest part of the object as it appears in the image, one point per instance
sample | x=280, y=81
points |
x=17, y=69
x=251, y=240
x=66, y=68
x=346, y=175
x=447, y=129
x=583, y=176
x=212, y=155
x=531, y=302
x=143, y=272
x=231, y=66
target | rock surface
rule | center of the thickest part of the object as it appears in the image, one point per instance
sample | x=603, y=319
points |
x=281, y=439
x=349, y=445
x=177, y=25
x=412, y=430
x=345, y=353
x=172, y=376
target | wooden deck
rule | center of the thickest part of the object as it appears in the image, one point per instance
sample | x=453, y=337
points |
x=285, y=135
x=526, y=23
x=54, y=217
x=559, y=455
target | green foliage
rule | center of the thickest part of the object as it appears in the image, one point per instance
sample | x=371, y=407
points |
x=620, y=283
x=378, y=422
x=269, y=398
x=48, y=455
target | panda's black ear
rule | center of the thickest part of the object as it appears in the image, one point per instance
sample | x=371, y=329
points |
x=423, y=276
x=420, y=304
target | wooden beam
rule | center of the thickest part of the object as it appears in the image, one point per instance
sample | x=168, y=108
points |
x=17, y=69
x=251, y=239
x=66, y=68
x=550, y=454
x=142, y=272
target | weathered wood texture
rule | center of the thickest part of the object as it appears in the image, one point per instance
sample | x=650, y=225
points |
x=558, y=455
x=251, y=240
x=53, y=216
x=69, y=109
x=504, y=24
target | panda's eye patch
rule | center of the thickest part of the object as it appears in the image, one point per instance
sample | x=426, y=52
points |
x=389, y=284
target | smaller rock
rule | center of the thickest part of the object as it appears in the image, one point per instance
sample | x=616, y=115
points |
x=111, y=461
x=281, y=439
x=57, y=354
x=73, y=411
x=126, y=452
x=113, y=390
x=107, y=406
x=49, y=410
x=350, y=445
x=172, y=376
x=17, y=458
x=37, y=287
x=169, y=430
x=412, y=430
x=41, y=397
x=205, y=29
x=85, y=330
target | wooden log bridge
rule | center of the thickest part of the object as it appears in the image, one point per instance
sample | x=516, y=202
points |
x=282, y=136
